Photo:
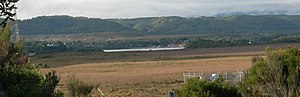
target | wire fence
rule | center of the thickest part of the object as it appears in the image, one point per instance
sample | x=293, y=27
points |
x=229, y=77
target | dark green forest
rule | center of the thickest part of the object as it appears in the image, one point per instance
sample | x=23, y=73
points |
x=44, y=25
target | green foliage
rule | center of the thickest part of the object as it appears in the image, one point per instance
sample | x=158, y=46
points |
x=162, y=25
x=11, y=54
x=202, y=88
x=58, y=94
x=288, y=39
x=256, y=59
x=26, y=81
x=276, y=76
x=68, y=25
x=41, y=46
x=18, y=79
x=78, y=88
x=202, y=43
x=49, y=83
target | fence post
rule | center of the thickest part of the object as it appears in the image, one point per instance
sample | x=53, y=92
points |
x=183, y=77
x=226, y=80
x=172, y=94
x=240, y=73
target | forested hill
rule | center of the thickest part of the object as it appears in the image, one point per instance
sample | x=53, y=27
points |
x=162, y=25
x=69, y=25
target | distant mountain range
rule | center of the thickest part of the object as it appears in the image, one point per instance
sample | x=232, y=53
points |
x=46, y=25
x=265, y=12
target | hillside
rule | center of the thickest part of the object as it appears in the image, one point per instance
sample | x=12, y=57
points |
x=68, y=25
x=46, y=25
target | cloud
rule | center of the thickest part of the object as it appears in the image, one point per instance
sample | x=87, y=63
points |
x=146, y=8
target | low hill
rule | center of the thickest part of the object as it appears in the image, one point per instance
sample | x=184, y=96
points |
x=69, y=25
x=46, y=25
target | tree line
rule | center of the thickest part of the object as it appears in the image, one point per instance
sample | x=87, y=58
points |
x=190, y=42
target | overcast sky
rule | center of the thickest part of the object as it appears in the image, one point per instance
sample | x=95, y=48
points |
x=148, y=8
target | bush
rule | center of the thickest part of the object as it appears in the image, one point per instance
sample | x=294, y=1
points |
x=58, y=94
x=3, y=94
x=202, y=88
x=278, y=75
x=26, y=81
x=78, y=88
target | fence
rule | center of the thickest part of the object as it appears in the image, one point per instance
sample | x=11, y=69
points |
x=231, y=77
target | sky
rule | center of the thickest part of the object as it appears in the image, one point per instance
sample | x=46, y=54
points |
x=151, y=8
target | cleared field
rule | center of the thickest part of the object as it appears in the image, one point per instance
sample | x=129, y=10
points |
x=162, y=74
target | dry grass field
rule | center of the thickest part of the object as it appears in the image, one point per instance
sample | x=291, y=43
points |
x=142, y=78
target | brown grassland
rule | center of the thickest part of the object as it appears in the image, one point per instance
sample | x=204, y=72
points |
x=135, y=75
x=147, y=74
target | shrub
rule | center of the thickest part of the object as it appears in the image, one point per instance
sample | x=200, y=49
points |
x=203, y=88
x=78, y=88
x=26, y=81
x=58, y=94
x=278, y=75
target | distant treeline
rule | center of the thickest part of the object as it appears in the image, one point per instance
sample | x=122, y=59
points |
x=196, y=42
x=162, y=25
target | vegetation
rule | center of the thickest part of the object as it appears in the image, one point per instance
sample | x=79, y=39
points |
x=202, y=88
x=66, y=25
x=18, y=78
x=275, y=76
x=278, y=75
x=219, y=31
x=191, y=42
x=77, y=88
x=162, y=25
x=7, y=7
x=202, y=43
x=26, y=81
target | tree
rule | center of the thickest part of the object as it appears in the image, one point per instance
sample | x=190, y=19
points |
x=11, y=54
x=7, y=7
x=18, y=78
x=278, y=75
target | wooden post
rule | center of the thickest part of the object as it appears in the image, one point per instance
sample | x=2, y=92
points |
x=101, y=92
x=226, y=80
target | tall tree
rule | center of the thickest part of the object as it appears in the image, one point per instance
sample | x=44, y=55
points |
x=7, y=7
